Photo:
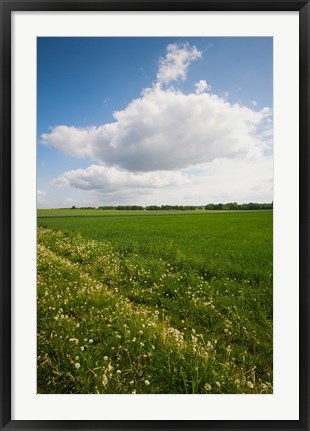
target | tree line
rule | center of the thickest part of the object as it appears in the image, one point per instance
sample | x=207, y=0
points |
x=211, y=207
x=235, y=206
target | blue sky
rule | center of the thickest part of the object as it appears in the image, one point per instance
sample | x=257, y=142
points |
x=154, y=121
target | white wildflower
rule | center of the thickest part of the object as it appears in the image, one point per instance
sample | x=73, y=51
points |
x=104, y=380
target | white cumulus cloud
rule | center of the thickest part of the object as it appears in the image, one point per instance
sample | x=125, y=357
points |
x=97, y=177
x=202, y=86
x=166, y=130
x=176, y=62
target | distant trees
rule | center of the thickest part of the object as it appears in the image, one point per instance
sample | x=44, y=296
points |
x=171, y=208
x=235, y=206
x=122, y=207
x=220, y=206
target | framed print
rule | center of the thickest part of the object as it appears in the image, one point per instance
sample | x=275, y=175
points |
x=154, y=215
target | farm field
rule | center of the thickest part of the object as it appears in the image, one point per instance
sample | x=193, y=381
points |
x=66, y=212
x=145, y=302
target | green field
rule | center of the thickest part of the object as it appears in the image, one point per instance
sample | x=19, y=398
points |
x=145, y=302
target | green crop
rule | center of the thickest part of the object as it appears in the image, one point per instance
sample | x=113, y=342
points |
x=155, y=303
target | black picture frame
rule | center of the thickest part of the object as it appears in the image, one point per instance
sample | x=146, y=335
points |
x=7, y=7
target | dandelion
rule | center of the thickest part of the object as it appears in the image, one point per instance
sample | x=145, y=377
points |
x=208, y=387
x=77, y=358
x=104, y=380
x=131, y=382
x=134, y=391
x=105, y=358
x=146, y=382
x=250, y=384
x=118, y=371
x=90, y=341
x=82, y=348
x=77, y=365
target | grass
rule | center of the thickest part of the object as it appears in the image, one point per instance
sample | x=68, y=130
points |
x=149, y=303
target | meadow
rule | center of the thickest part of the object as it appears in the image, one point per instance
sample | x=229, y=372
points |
x=154, y=303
